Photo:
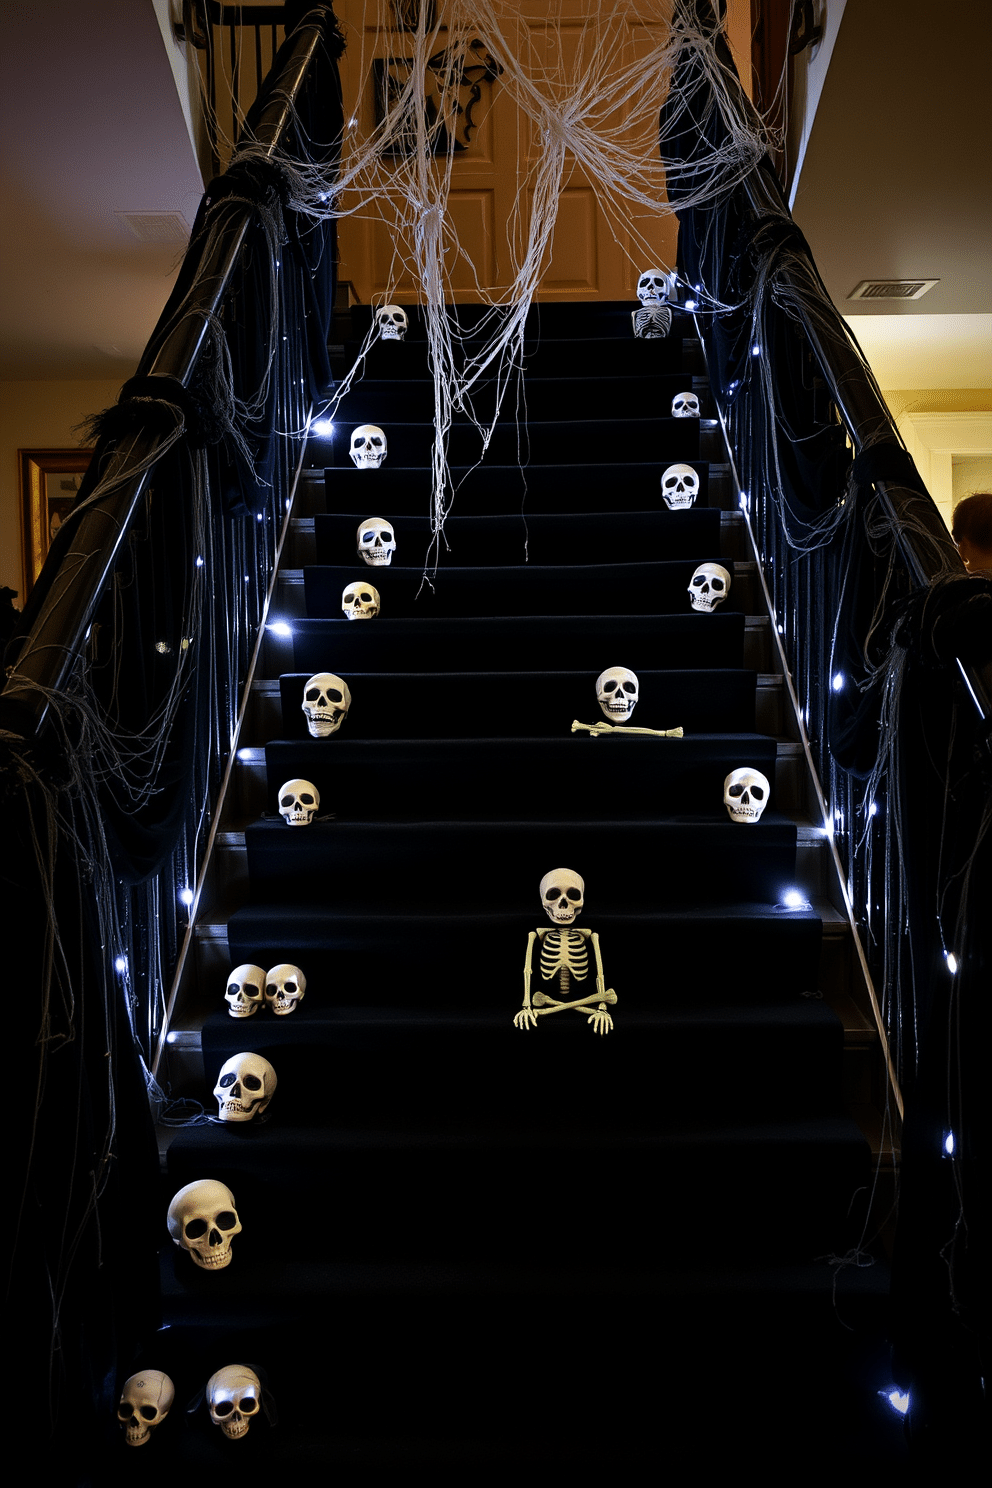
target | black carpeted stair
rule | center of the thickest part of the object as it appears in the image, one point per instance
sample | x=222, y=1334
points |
x=469, y=1246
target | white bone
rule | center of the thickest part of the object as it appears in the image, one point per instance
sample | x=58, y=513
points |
x=326, y=700
x=245, y=1085
x=234, y=1395
x=602, y=730
x=745, y=794
x=548, y=1004
x=146, y=1400
x=203, y=1220
x=299, y=802
x=651, y=322
x=679, y=487
x=709, y=587
x=368, y=447
x=376, y=541
x=360, y=601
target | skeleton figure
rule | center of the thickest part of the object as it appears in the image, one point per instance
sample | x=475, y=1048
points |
x=651, y=322
x=146, y=1400
x=685, y=405
x=360, y=601
x=376, y=542
x=245, y=1085
x=564, y=955
x=708, y=587
x=326, y=700
x=679, y=487
x=203, y=1219
x=393, y=322
x=745, y=794
x=234, y=1395
x=617, y=690
x=368, y=447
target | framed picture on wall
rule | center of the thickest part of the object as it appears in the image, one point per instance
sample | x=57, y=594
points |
x=50, y=481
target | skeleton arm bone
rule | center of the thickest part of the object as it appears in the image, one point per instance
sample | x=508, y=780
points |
x=546, y=1004
x=600, y=1019
x=598, y=730
x=527, y=1018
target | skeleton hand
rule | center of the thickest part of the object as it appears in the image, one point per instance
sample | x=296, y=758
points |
x=526, y=1018
x=600, y=1020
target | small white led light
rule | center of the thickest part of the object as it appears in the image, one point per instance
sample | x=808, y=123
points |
x=873, y=809
x=837, y=681
x=322, y=426
x=121, y=964
x=199, y=561
x=755, y=350
x=952, y=961
x=949, y=1144
x=896, y=1399
x=280, y=628
x=690, y=304
x=795, y=899
x=186, y=897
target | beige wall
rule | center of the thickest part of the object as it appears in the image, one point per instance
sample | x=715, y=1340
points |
x=37, y=415
x=948, y=432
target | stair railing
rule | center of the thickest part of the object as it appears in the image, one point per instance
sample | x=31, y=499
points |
x=887, y=646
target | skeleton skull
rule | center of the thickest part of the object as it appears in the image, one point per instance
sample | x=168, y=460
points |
x=234, y=1395
x=654, y=287
x=360, y=601
x=203, y=1220
x=745, y=794
x=299, y=801
x=376, y=542
x=245, y=1085
x=708, y=587
x=368, y=446
x=245, y=990
x=685, y=405
x=326, y=700
x=563, y=895
x=285, y=986
x=617, y=691
x=679, y=487
x=146, y=1400
x=651, y=322
x=393, y=322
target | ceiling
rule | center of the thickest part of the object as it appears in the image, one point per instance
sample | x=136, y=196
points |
x=894, y=182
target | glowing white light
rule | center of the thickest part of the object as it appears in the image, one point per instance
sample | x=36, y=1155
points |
x=170, y=1038
x=322, y=426
x=898, y=1401
x=793, y=899
x=186, y=897
x=244, y=754
x=755, y=350
x=259, y=517
x=873, y=809
x=781, y=630
x=952, y=962
x=280, y=628
x=199, y=561
x=949, y=1144
x=690, y=304
x=352, y=123
x=121, y=964
x=838, y=681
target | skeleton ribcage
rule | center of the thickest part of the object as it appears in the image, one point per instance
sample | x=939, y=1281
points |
x=564, y=954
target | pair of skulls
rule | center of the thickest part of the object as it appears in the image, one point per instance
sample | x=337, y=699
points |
x=360, y=601
x=617, y=691
x=248, y=987
x=679, y=486
x=745, y=794
x=326, y=700
x=392, y=322
x=203, y=1221
x=708, y=587
x=245, y=1086
x=368, y=447
x=376, y=542
x=234, y=1395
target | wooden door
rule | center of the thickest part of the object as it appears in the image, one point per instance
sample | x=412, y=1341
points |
x=592, y=257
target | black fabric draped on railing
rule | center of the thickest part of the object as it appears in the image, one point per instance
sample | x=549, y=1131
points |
x=120, y=715
x=888, y=642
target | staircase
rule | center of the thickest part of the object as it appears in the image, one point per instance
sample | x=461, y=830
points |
x=464, y=1243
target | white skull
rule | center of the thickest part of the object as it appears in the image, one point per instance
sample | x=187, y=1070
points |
x=654, y=287
x=745, y=794
x=617, y=691
x=376, y=542
x=245, y=990
x=146, y=1400
x=708, y=587
x=651, y=322
x=326, y=700
x=203, y=1220
x=563, y=895
x=360, y=601
x=685, y=405
x=368, y=446
x=285, y=986
x=299, y=801
x=393, y=322
x=245, y=1085
x=234, y=1395
x=679, y=487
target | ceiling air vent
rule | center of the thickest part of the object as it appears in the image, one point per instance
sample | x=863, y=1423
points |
x=157, y=227
x=892, y=289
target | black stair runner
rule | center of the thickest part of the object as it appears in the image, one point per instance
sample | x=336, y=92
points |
x=463, y=1242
